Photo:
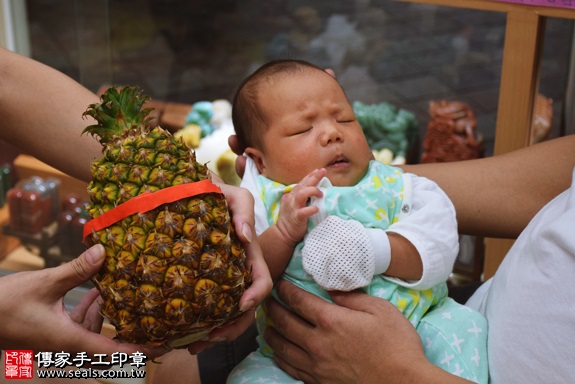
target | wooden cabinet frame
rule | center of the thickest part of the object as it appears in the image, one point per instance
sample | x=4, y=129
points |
x=524, y=33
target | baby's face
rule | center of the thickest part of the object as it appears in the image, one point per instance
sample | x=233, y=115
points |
x=311, y=126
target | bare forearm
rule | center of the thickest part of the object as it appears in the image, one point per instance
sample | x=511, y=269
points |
x=498, y=196
x=41, y=111
x=276, y=250
x=405, y=260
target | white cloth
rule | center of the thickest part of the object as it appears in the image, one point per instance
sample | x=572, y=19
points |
x=529, y=302
x=251, y=173
x=422, y=227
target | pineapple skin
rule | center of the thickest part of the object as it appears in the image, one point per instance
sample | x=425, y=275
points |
x=174, y=273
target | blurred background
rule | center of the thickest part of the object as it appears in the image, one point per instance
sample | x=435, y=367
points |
x=185, y=51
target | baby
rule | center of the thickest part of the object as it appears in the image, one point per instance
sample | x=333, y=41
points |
x=329, y=217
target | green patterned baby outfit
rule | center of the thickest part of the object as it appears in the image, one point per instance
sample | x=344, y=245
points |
x=454, y=337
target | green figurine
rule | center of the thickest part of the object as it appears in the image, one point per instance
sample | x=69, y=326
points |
x=387, y=127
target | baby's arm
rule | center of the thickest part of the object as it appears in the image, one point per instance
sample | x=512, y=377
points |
x=279, y=240
x=417, y=251
x=429, y=231
x=405, y=261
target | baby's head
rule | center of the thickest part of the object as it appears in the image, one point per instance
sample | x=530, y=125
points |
x=292, y=117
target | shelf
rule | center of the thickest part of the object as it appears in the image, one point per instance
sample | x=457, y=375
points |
x=40, y=242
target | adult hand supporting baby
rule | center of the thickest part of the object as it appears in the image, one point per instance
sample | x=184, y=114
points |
x=358, y=339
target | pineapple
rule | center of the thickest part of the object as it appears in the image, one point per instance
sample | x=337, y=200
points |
x=173, y=273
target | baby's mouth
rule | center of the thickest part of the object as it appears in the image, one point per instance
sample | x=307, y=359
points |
x=338, y=162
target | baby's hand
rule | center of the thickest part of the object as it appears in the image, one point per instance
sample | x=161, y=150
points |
x=294, y=210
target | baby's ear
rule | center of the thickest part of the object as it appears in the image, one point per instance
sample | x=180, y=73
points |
x=258, y=157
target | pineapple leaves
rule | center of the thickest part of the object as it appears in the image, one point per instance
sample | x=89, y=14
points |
x=117, y=112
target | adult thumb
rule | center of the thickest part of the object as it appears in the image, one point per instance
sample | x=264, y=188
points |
x=80, y=269
x=356, y=300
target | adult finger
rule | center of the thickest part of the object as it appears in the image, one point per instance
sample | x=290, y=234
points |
x=261, y=279
x=241, y=203
x=87, y=311
x=241, y=165
x=306, y=305
x=359, y=301
x=233, y=330
x=236, y=147
x=225, y=333
x=290, y=357
x=286, y=352
x=290, y=323
x=67, y=276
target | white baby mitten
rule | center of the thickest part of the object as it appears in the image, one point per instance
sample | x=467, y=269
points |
x=343, y=255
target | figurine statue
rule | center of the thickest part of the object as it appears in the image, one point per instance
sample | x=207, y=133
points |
x=389, y=128
x=451, y=133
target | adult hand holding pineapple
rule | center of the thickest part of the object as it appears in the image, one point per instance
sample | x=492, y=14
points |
x=34, y=317
x=241, y=204
x=175, y=269
x=31, y=309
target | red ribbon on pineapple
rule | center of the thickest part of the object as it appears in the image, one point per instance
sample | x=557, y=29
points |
x=148, y=201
